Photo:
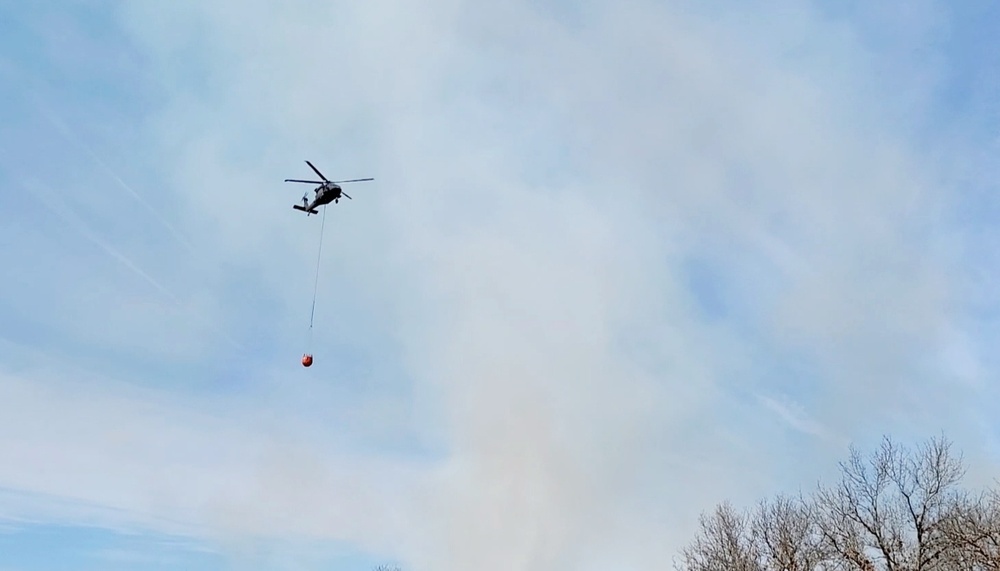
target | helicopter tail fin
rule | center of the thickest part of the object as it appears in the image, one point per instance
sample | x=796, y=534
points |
x=303, y=209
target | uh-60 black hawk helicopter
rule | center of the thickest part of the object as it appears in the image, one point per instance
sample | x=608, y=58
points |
x=328, y=191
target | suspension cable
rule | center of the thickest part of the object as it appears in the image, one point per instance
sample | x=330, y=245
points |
x=319, y=254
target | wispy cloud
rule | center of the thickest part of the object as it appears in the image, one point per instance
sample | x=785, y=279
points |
x=44, y=193
x=72, y=137
x=796, y=417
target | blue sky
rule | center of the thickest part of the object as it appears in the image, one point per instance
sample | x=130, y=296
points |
x=621, y=261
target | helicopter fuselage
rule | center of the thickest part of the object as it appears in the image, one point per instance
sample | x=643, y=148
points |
x=325, y=194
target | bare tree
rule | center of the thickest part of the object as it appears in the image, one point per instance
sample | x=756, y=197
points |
x=887, y=510
x=724, y=544
x=786, y=534
x=894, y=510
x=973, y=528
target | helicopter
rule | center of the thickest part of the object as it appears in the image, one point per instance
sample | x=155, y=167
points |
x=328, y=191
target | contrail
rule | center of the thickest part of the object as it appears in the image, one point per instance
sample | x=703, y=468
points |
x=68, y=134
x=68, y=216
x=71, y=218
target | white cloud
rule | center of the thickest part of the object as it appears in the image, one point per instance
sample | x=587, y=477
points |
x=539, y=188
x=794, y=415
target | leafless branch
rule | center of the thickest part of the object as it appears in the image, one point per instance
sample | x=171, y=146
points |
x=893, y=510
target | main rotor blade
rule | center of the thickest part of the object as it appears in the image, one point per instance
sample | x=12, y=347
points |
x=353, y=180
x=305, y=181
x=316, y=170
